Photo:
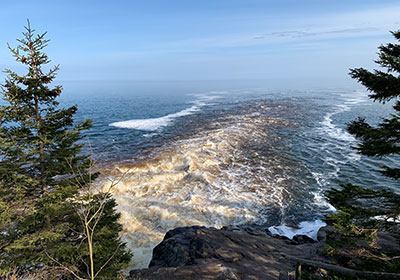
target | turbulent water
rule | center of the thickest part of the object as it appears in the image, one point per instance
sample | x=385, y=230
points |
x=225, y=157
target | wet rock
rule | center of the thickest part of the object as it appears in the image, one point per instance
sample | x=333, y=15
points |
x=234, y=252
x=302, y=239
x=183, y=246
x=250, y=229
x=388, y=242
x=209, y=271
x=323, y=232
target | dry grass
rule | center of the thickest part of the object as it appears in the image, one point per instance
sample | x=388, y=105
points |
x=48, y=273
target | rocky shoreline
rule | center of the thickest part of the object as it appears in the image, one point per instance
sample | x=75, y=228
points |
x=233, y=252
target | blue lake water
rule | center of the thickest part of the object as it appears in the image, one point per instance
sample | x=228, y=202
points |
x=219, y=153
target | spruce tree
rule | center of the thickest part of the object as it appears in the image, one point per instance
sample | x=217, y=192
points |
x=362, y=213
x=384, y=139
x=41, y=171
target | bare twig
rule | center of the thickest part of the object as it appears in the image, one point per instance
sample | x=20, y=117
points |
x=90, y=211
x=109, y=259
x=62, y=266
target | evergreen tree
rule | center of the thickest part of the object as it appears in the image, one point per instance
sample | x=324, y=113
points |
x=363, y=213
x=41, y=171
x=383, y=140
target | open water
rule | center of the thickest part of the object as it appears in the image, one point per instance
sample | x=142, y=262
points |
x=216, y=154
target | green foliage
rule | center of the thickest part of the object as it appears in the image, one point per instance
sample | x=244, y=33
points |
x=384, y=139
x=107, y=247
x=364, y=215
x=41, y=172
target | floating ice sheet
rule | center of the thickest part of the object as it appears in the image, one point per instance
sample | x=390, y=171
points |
x=308, y=228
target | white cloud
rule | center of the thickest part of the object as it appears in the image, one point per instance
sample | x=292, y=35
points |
x=357, y=24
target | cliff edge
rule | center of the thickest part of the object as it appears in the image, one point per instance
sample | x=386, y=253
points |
x=234, y=252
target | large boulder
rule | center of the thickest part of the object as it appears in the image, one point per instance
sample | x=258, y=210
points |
x=235, y=252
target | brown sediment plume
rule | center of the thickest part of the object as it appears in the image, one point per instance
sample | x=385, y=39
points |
x=214, y=178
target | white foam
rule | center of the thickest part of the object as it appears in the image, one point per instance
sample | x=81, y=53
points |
x=323, y=204
x=386, y=218
x=149, y=135
x=153, y=124
x=308, y=228
x=342, y=141
x=331, y=129
x=202, y=180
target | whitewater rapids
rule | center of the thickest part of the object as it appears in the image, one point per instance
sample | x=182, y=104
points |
x=217, y=177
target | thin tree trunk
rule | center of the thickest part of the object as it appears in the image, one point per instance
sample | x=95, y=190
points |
x=38, y=119
x=90, y=244
x=41, y=146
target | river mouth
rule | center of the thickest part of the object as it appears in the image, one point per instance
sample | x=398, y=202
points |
x=228, y=170
x=233, y=157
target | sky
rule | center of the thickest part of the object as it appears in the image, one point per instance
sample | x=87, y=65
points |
x=286, y=41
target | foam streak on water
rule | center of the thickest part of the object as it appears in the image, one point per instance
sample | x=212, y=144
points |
x=153, y=124
x=337, y=149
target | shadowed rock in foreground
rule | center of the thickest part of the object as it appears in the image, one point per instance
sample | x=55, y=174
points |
x=234, y=252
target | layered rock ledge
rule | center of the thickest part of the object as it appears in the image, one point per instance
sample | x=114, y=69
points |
x=234, y=252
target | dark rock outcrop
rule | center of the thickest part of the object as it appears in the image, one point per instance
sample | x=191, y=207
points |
x=234, y=252
x=302, y=239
